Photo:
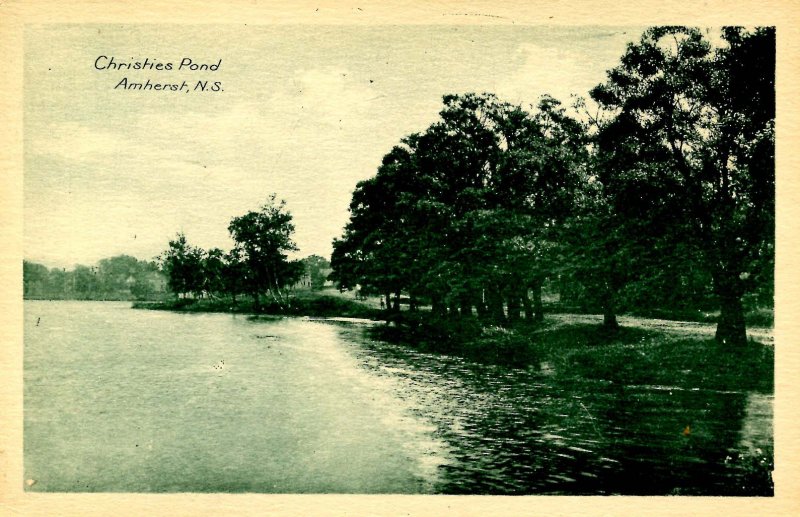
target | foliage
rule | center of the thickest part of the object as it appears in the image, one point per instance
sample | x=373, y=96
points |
x=258, y=264
x=315, y=305
x=687, y=151
x=466, y=214
x=116, y=278
x=183, y=265
x=262, y=239
x=317, y=270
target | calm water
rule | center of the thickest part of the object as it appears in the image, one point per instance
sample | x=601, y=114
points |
x=124, y=400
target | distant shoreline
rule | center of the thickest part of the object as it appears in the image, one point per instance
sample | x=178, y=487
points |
x=68, y=299
x=310, y=304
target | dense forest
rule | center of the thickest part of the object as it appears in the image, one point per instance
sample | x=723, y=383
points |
x=660, y=197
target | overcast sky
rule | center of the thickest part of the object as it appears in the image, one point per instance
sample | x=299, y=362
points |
x=306, y=112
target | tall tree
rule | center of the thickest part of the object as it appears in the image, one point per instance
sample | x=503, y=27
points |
x=317, y=268
x=235, y=275
x=213, y=271
x=702, y=120
x=263, y=239
x=35, y=279
x=464, y=213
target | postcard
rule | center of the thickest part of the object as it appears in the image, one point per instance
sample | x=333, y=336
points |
x=423, y=259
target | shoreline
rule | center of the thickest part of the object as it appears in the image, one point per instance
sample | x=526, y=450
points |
x=642, y=343
x=565, y=350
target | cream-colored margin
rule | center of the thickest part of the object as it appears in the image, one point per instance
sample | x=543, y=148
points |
x=15, y=14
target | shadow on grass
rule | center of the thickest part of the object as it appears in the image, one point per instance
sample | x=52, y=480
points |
x=636, y=356
x=625, y=355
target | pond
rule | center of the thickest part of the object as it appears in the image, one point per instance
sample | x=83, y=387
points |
x=117, y=399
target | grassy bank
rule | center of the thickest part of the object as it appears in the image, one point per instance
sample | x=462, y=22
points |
x=625, y=356
x=303, y=304
x=754, y=317
x=629, y=355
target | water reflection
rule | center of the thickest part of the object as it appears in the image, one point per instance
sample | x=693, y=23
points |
x=529, y=431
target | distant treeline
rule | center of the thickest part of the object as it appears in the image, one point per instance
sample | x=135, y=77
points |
x=116, y=278
x=662, y=198
x=127, y=278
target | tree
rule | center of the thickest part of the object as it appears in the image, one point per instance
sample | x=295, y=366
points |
x=85, y=281
x=540, y=178
x=35, y=279
x=702, y=121
x=183, y=265
x=116, y=274
x=371, y=254
x=213, y=266
x=234, y=273
x=263, y=239
x=317, y=268
x=465, y=214
x=146, y=280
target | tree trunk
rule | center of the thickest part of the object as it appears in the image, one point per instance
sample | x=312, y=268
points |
x=731, y=329
x=527, y=307
x=610, y=318
x=494, y=302
x=388, y=301
x=480, y=306
x=538, y=309
x=513, y=308
x=396, y=306
x=609, y=312
x=437, y=306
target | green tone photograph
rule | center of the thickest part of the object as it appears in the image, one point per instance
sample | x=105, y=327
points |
x=453, y=259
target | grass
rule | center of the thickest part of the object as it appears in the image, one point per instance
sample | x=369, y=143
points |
x=626, y=355
x=635, y=356
x=757, y=317
x=303, y=304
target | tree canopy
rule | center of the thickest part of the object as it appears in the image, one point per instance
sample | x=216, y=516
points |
x=688, y=149
x=257, y=265
x=664, y=198
x=464, y=214
x=262, y=240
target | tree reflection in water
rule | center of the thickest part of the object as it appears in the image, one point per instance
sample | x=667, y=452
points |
x=528, y=431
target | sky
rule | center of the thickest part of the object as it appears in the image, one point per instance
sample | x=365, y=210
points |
x=306, y=112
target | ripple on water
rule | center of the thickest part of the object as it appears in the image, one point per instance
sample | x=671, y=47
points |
x=526, y=431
